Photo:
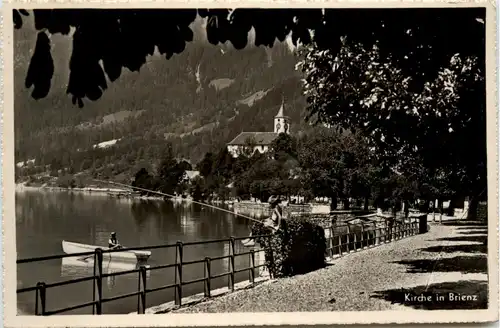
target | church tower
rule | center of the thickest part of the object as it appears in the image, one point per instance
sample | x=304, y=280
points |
x=281, y=122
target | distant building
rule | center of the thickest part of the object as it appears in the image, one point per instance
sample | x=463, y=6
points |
x=259, y=141
x=190, y=175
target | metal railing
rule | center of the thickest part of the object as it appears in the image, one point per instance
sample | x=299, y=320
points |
x=352, y=241
x=40, y=288
x=337, y=245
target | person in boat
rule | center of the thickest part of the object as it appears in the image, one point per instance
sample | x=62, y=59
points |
x=113, y=241
x=272, y=223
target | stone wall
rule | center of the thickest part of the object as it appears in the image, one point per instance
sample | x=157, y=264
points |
x=315, y=211
x=263, y=209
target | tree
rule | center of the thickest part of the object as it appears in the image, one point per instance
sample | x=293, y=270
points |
x=185, y=165
x=66, y=181
x=333, y=164
x=206, y=164
x=143, y=180
x=407, y=127
x=284, y=147
x=170, y=173
x=197, y=189
x=222, y=164
x=124, y=38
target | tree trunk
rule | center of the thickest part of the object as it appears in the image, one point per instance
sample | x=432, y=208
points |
x=451, y=208
x=333, y=204
x=441, y=209
x=365, y=207
x=346, y=203
x=473, y=205
x=359, y=202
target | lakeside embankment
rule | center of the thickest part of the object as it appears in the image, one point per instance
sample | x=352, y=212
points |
x=95, y=190
x=22, y=186
x=243, y=207
x=451, y=257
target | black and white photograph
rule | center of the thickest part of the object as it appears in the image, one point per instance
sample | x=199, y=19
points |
x=250, y=160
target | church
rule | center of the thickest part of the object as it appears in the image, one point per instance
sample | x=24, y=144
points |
x=260, y=141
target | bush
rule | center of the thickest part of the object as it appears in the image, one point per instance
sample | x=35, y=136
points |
x=298, y=247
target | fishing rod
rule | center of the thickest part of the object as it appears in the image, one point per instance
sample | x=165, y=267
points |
x=173, y=196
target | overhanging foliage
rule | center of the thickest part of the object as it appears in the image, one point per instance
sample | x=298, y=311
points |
x=421, y=40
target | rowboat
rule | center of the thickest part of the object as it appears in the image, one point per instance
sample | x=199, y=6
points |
x=128, y=256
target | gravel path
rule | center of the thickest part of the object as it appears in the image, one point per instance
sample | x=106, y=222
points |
x=447, y=258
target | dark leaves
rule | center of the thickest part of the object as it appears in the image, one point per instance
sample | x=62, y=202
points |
x=217, y=26
x=86, y=77
x=18, y=20
x=60, y=20
x=419, y=40
x=41, y=68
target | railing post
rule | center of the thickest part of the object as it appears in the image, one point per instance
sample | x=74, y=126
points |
x=142, y=289
x=93, y=284
x=362, y=236
x=348, y=237
x=391, y=231
x=41, y=293
x=386, y=228
x=340, y=244
x=251, y=277
x=98, y=280
x=178, y=272
x=207, y=276
x=330, y=240
x=231, y=264
x=422, y=224
x=355, y=241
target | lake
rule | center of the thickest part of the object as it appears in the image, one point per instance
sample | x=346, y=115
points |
x=44, y=219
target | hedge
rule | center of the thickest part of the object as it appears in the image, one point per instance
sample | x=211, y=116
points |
x=298, y=247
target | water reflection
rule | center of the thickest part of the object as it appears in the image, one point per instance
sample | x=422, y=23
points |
x=258, y=213
x=72, y=267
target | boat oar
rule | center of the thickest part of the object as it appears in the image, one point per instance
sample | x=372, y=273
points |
x=85, y=258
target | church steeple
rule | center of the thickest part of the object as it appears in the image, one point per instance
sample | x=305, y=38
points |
x=281, y=122
x=280, y=113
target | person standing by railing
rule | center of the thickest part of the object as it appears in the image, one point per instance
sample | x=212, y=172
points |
x=273, y=222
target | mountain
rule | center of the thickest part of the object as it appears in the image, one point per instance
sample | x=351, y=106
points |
x=196, y=101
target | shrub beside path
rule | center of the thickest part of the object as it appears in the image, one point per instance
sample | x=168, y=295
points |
x=451, y=257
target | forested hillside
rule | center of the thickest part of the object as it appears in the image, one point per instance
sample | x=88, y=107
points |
x=197, y=101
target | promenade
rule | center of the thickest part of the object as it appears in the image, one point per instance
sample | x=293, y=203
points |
x=450, y=257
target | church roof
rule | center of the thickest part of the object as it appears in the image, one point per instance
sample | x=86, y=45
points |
x=280, y=112
x=258, y=138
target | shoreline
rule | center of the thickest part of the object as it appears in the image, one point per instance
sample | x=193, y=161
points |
x=111, y=192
